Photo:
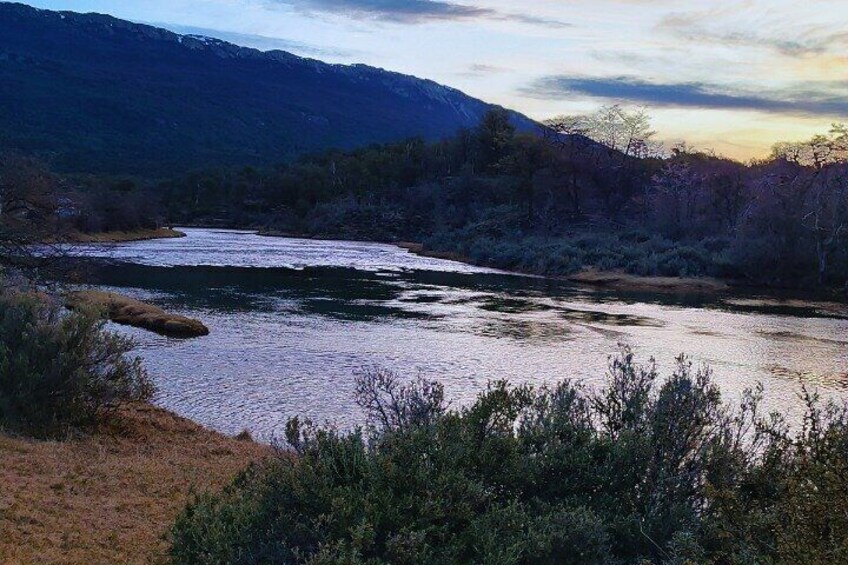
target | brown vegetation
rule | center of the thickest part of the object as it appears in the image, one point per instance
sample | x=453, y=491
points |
x=110, y=497
x=130, y=312
x=625, y=282
x=823, y=307
x=124, y=236
x=418, y=249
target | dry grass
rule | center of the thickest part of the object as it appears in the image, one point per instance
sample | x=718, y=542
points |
x=130, y=312
x=124, y=236
x=828, y=308
x=418, y=249
x=110, y=497
x=625, y=282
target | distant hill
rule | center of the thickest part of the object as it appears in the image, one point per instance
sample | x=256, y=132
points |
x=93, y=93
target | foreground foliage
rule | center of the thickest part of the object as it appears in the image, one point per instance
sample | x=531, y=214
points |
x=61, y=370
x=643, y=471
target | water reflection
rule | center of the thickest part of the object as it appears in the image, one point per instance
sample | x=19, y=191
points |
x=288, y=340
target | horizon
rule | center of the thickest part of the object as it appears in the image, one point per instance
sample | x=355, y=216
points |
x=730, y=79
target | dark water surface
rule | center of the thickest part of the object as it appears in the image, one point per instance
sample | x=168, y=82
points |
x=294, y=320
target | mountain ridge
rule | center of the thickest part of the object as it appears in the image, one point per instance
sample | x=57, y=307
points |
x=96, y=93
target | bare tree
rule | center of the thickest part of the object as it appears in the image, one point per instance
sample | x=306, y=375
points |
x=621, y=137
x=823, y=178
x=28, y=212
x=817, y=152
x=393, y=404
x=674, y=194
x=827, y=217
x=628, y=132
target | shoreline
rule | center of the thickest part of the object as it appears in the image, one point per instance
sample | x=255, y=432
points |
x=125, y=236
x=593, y=277
x=620, y=281
x=112, y=495
x=589, y=276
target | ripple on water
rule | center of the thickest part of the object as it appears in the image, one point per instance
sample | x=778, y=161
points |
x=288, y=343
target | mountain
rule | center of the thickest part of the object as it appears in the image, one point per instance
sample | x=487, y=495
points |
x=93, y=93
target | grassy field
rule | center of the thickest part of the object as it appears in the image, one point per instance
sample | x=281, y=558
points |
x=110, y=497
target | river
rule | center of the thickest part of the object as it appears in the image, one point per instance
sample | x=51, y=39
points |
x=293, y=321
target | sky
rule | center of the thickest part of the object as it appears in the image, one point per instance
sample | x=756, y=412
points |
x=729, y=76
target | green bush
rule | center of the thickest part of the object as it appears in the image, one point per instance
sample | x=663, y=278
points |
x=644, y=471
x=61, y=370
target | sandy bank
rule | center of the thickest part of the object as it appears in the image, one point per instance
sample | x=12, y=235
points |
x=130, y=312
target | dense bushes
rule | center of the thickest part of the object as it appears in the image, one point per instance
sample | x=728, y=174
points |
x=61, y=370
x=643, y=471
x=566, y=254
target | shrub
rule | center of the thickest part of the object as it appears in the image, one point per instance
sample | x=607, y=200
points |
x=61, y=370
x=643, y=471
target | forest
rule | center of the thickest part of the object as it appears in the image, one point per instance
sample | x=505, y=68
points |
x=591, y=191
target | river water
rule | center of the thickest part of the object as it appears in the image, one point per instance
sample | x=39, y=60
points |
x=293, y=321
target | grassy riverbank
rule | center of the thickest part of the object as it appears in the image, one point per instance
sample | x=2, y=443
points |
x=124, y=236
x=608, y=279
x=130, y=312
x=110, y=497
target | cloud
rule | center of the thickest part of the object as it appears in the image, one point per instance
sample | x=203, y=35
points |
x=478, y=70
x=792, y=41
x=415, y=11
x=533, y=20
x=813, y=99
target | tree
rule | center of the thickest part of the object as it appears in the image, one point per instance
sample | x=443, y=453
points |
x=624, y=131
x=823, y=177
x=495, y=135
x=29, y=207
x=817, y=152
x=568, y=134
x=674, y=194
x=622, y=138
x=525, y=162
x=696, y=194
x=827, y=215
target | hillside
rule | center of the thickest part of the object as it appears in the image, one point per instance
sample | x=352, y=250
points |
x=93, y=93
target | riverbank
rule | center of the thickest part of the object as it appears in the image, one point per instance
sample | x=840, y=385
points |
x=124, y=236
x=612, y=280
x=625, y=282
x=130, y=312
x=110, y=497
x=617, y=279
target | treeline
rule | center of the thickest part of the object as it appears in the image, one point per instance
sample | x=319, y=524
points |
x=37, y=204
x=584, y=192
